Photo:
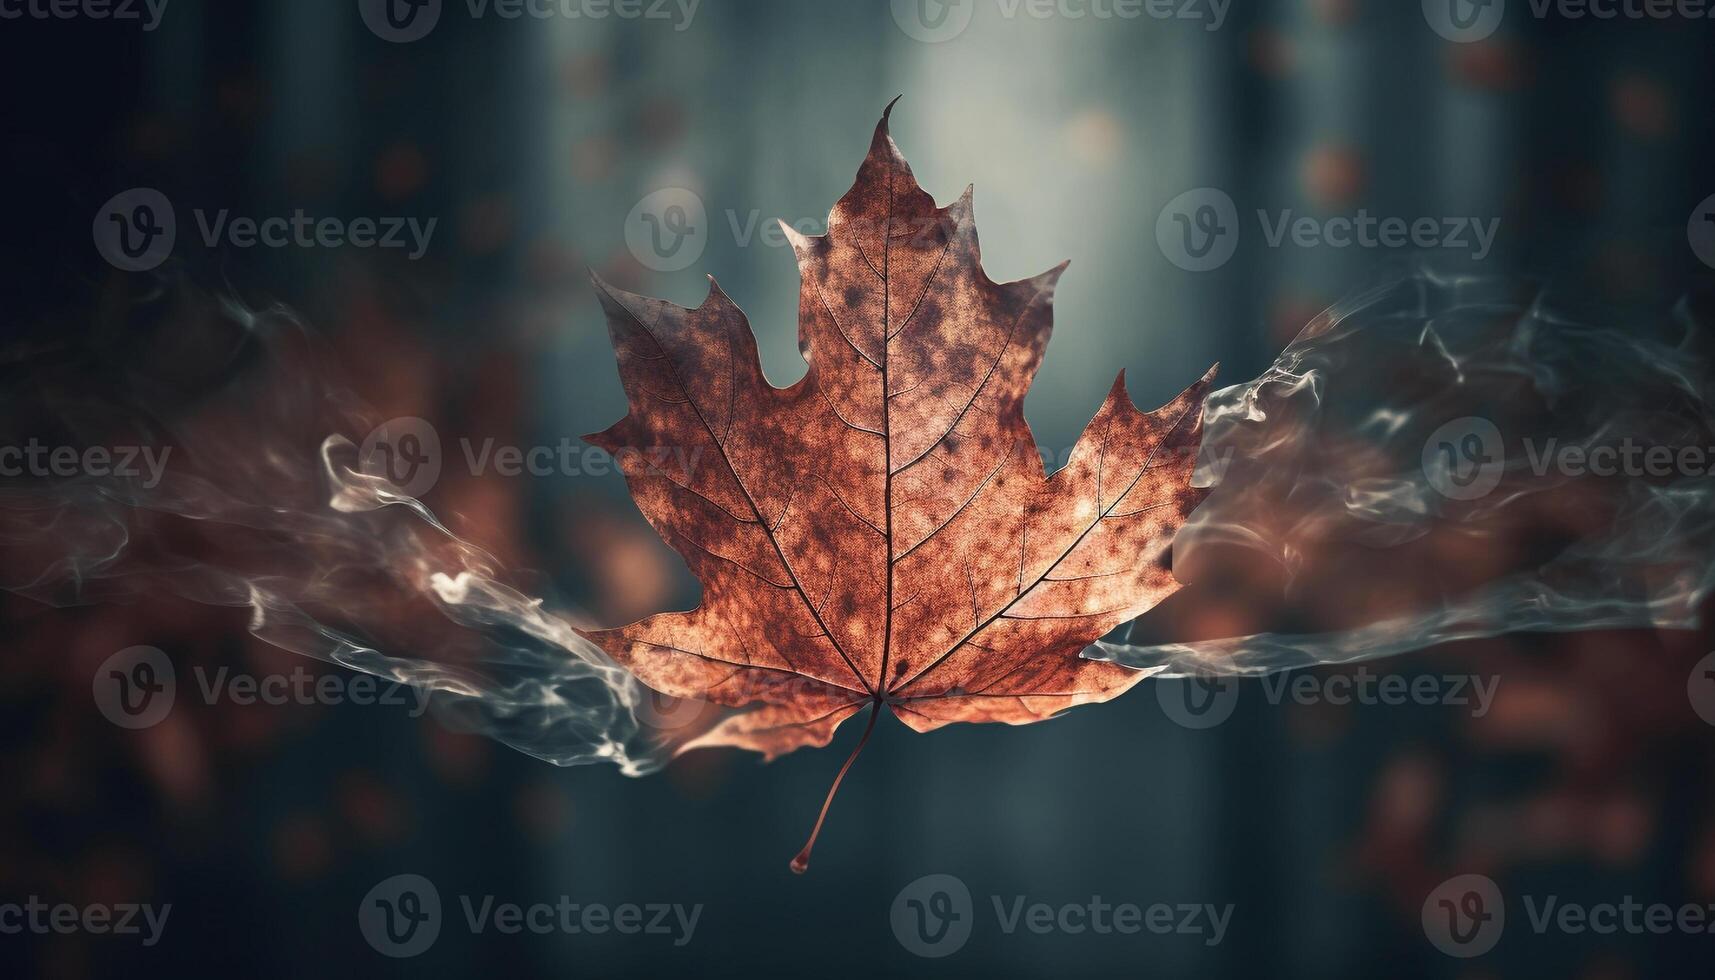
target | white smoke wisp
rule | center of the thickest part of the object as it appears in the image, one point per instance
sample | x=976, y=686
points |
x=1464, y=432
x=1332, y=468
x=264, y=502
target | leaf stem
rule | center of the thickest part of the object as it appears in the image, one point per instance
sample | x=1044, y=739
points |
x=801, y=863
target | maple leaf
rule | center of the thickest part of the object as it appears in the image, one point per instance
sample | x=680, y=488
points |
x=883, y=532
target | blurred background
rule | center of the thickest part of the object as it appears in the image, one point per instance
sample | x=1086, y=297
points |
x=656, y=144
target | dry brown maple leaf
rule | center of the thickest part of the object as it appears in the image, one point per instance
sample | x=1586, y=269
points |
x=883, y=532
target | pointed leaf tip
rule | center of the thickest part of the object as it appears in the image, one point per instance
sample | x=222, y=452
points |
x=607, y=289
x=1118, y=393
x=1120, y=396
x=960, y=210
x=715, y=292
x=797, y=239
x=1049, y=282
x=883, y=129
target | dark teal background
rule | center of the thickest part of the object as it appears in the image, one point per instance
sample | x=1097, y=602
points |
x=530, y=141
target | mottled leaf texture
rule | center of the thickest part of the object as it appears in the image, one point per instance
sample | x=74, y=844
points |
x=883, y=532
